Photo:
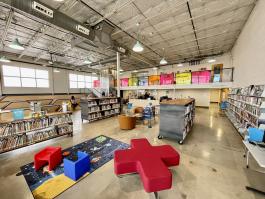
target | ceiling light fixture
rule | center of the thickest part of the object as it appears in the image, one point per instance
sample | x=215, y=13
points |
x=155, y=68
x=138, y=46
x=94, y=73
x=121, y=70
x=59, y=0
x=135, y=71
x=180, y=65
x=211, y=60
x=4, y=59
x=56, y=70
x=87, y=61
x=16, y=45
x=163, y=61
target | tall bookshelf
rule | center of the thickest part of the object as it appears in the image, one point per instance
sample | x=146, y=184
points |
x=15, y=134
x=93, y=109
x=246, y=107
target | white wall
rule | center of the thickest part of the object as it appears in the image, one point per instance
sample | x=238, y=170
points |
x=249, y=51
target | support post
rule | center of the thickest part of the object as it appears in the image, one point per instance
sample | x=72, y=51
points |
x=118, y=74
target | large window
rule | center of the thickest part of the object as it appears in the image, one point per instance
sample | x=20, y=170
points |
x=25, y=77
x=81, y=81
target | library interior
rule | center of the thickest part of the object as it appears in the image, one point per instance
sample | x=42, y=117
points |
x=115, y=99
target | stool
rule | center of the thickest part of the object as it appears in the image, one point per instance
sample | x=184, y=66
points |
x=50, y=155
x=150, y=162
x=76, y=169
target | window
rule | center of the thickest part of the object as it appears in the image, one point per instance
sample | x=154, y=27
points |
x=25, y=77
x=81, y=81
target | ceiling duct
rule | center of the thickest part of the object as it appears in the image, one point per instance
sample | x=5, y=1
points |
x=103, y=35
x=56, y=18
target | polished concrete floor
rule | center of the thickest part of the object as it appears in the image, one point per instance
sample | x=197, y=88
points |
x=212, y=164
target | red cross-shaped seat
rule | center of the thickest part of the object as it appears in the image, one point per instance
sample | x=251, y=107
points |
x=150, y=162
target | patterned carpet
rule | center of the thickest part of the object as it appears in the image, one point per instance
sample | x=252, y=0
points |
x=46, y=184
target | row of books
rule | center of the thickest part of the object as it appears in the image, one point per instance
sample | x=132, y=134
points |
x=60, y=120
x=108, y=101
x=252, y=90
x=93, y=109
x=14, y=128
x=254, y=110
x=18, y=141
x=251, y=100
x=111, y=112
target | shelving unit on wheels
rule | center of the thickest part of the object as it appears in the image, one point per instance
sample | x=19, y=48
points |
x=15, y=134
x=176, y=118
x=246, y=108
x=93, y=109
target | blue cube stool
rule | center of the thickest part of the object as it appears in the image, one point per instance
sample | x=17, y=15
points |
x=255, y=134
x=77, y=169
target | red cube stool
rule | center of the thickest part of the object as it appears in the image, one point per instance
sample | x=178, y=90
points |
x=50, y=155
x=150, y=162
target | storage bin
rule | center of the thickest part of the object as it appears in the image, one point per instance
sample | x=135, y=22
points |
x=18, y=114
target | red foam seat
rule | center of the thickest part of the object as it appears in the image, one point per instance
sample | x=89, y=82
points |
x=50, y=155
x=151, y=162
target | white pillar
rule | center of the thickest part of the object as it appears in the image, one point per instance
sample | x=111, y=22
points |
x=118, y=74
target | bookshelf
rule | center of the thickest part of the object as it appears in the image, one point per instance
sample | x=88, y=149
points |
x=246, y=107
x=176, y=118
x=93, y=109
x=15, y=134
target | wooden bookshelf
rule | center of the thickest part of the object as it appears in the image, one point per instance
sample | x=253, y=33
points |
x=16, y=134
x=246, y=107
x=93, y=109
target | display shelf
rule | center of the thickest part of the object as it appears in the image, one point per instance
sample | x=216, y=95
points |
x=176, y=118
x=20, y=133
x=107, y=106
x=245, y=107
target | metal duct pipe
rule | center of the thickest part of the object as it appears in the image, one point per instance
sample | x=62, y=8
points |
x=59, y=19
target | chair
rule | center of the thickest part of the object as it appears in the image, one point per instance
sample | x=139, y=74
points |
x=50, y=155
x=76, y=169
x=255, y=134
x=150, y=162
x=127, y=122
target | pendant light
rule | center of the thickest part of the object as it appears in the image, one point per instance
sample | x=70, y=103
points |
x=87, y=61
x=211, y=60
x=138, y=47
x=16, y=45
x=163, y=61
x=4, y=59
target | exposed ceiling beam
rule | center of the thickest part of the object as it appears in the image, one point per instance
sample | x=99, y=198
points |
x=113, y=11
x=34, y=39
x=233, y=7
x=7, y=25
x=113, y=24
x=193, y=27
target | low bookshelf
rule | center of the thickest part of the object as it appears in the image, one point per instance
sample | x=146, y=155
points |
x=93, y=109
x=15, y=134
x=246, y=107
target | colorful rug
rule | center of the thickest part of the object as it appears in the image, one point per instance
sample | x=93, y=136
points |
x=46, y=184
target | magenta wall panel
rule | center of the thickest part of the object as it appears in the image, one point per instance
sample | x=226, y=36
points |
x=201, y=77
x=124, y=82
x=166, y=79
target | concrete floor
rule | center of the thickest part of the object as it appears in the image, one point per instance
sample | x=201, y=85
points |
x=212, y=164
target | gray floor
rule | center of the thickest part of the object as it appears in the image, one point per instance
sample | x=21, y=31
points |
x=212, y=164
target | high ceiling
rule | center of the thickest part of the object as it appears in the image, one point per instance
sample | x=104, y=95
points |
x=186, y=30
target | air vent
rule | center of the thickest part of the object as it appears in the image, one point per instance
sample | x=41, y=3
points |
x=82, y=29
x=42, y=9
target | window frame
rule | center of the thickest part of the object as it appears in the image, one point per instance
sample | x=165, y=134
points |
x=21, y=77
